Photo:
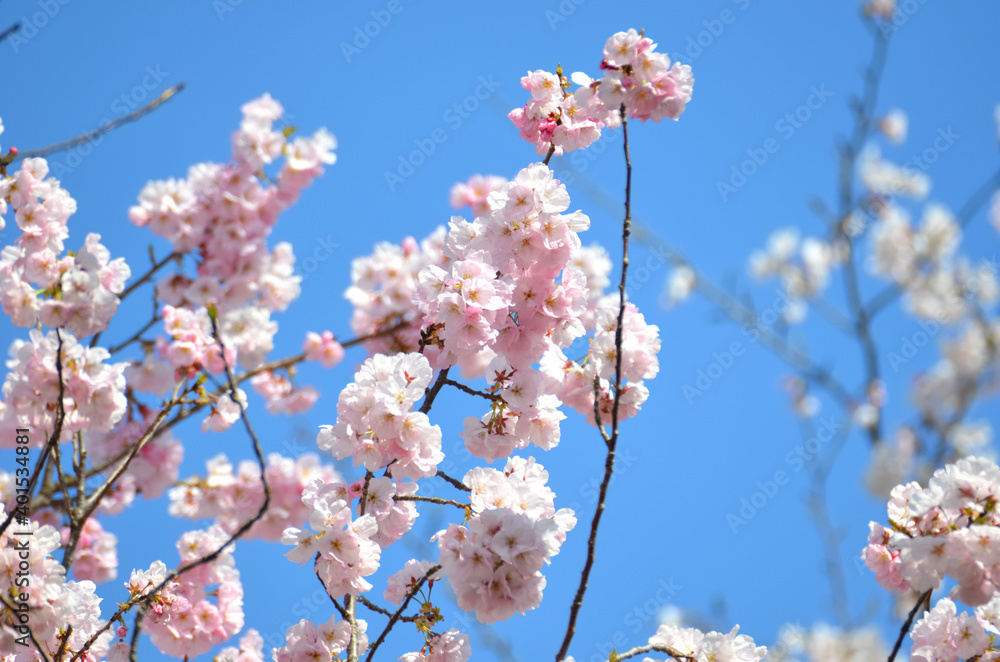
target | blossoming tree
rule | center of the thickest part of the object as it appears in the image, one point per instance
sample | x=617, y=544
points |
x=506, y=306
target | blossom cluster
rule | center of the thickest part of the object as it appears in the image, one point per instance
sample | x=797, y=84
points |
x=951, y=528
x=222, y=215
x=37, y=283
x=307, y=641
x=574, y=381
x=344, y=548
x=234, y=497
x=52, y=600
x=181, y=620
x=494, y=562
x=382, y=289
x=376, y=426
x=944, y=635
x=636, y=77
x=449, y=646
x=153, y=469
x=694, y=644
x=500, y=291
x=939, y=284
x=92, y=390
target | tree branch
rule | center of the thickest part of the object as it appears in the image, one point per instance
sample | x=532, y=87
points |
x=102, y=130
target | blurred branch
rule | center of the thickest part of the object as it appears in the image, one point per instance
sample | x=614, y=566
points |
x=864, y=111
x=828, y=535
x=11, y=30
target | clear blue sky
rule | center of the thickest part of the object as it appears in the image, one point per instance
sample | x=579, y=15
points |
x=684, y=466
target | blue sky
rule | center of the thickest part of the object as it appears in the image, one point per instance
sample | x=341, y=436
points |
x=683, y=465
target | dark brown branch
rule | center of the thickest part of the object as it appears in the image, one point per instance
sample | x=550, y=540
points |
x=924, y=597
x=492, y=397
x=351, y=601
x=612, y=440
x=398, y=614
x=340, y=610
x=135, y=336
x=453, y=481
x=136, y=631
x=433, y=391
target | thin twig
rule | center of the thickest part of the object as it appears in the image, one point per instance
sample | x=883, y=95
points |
x=612, y=440
x=649, y=648
x=135, y=336
x=492, y=397
x=240, y=532
x=398, y=614
x=104, y=129
x=31, y=634
x=341, y=610
x=272, y=366
x=429, y=499
x=385, y=612
x=453, y=481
